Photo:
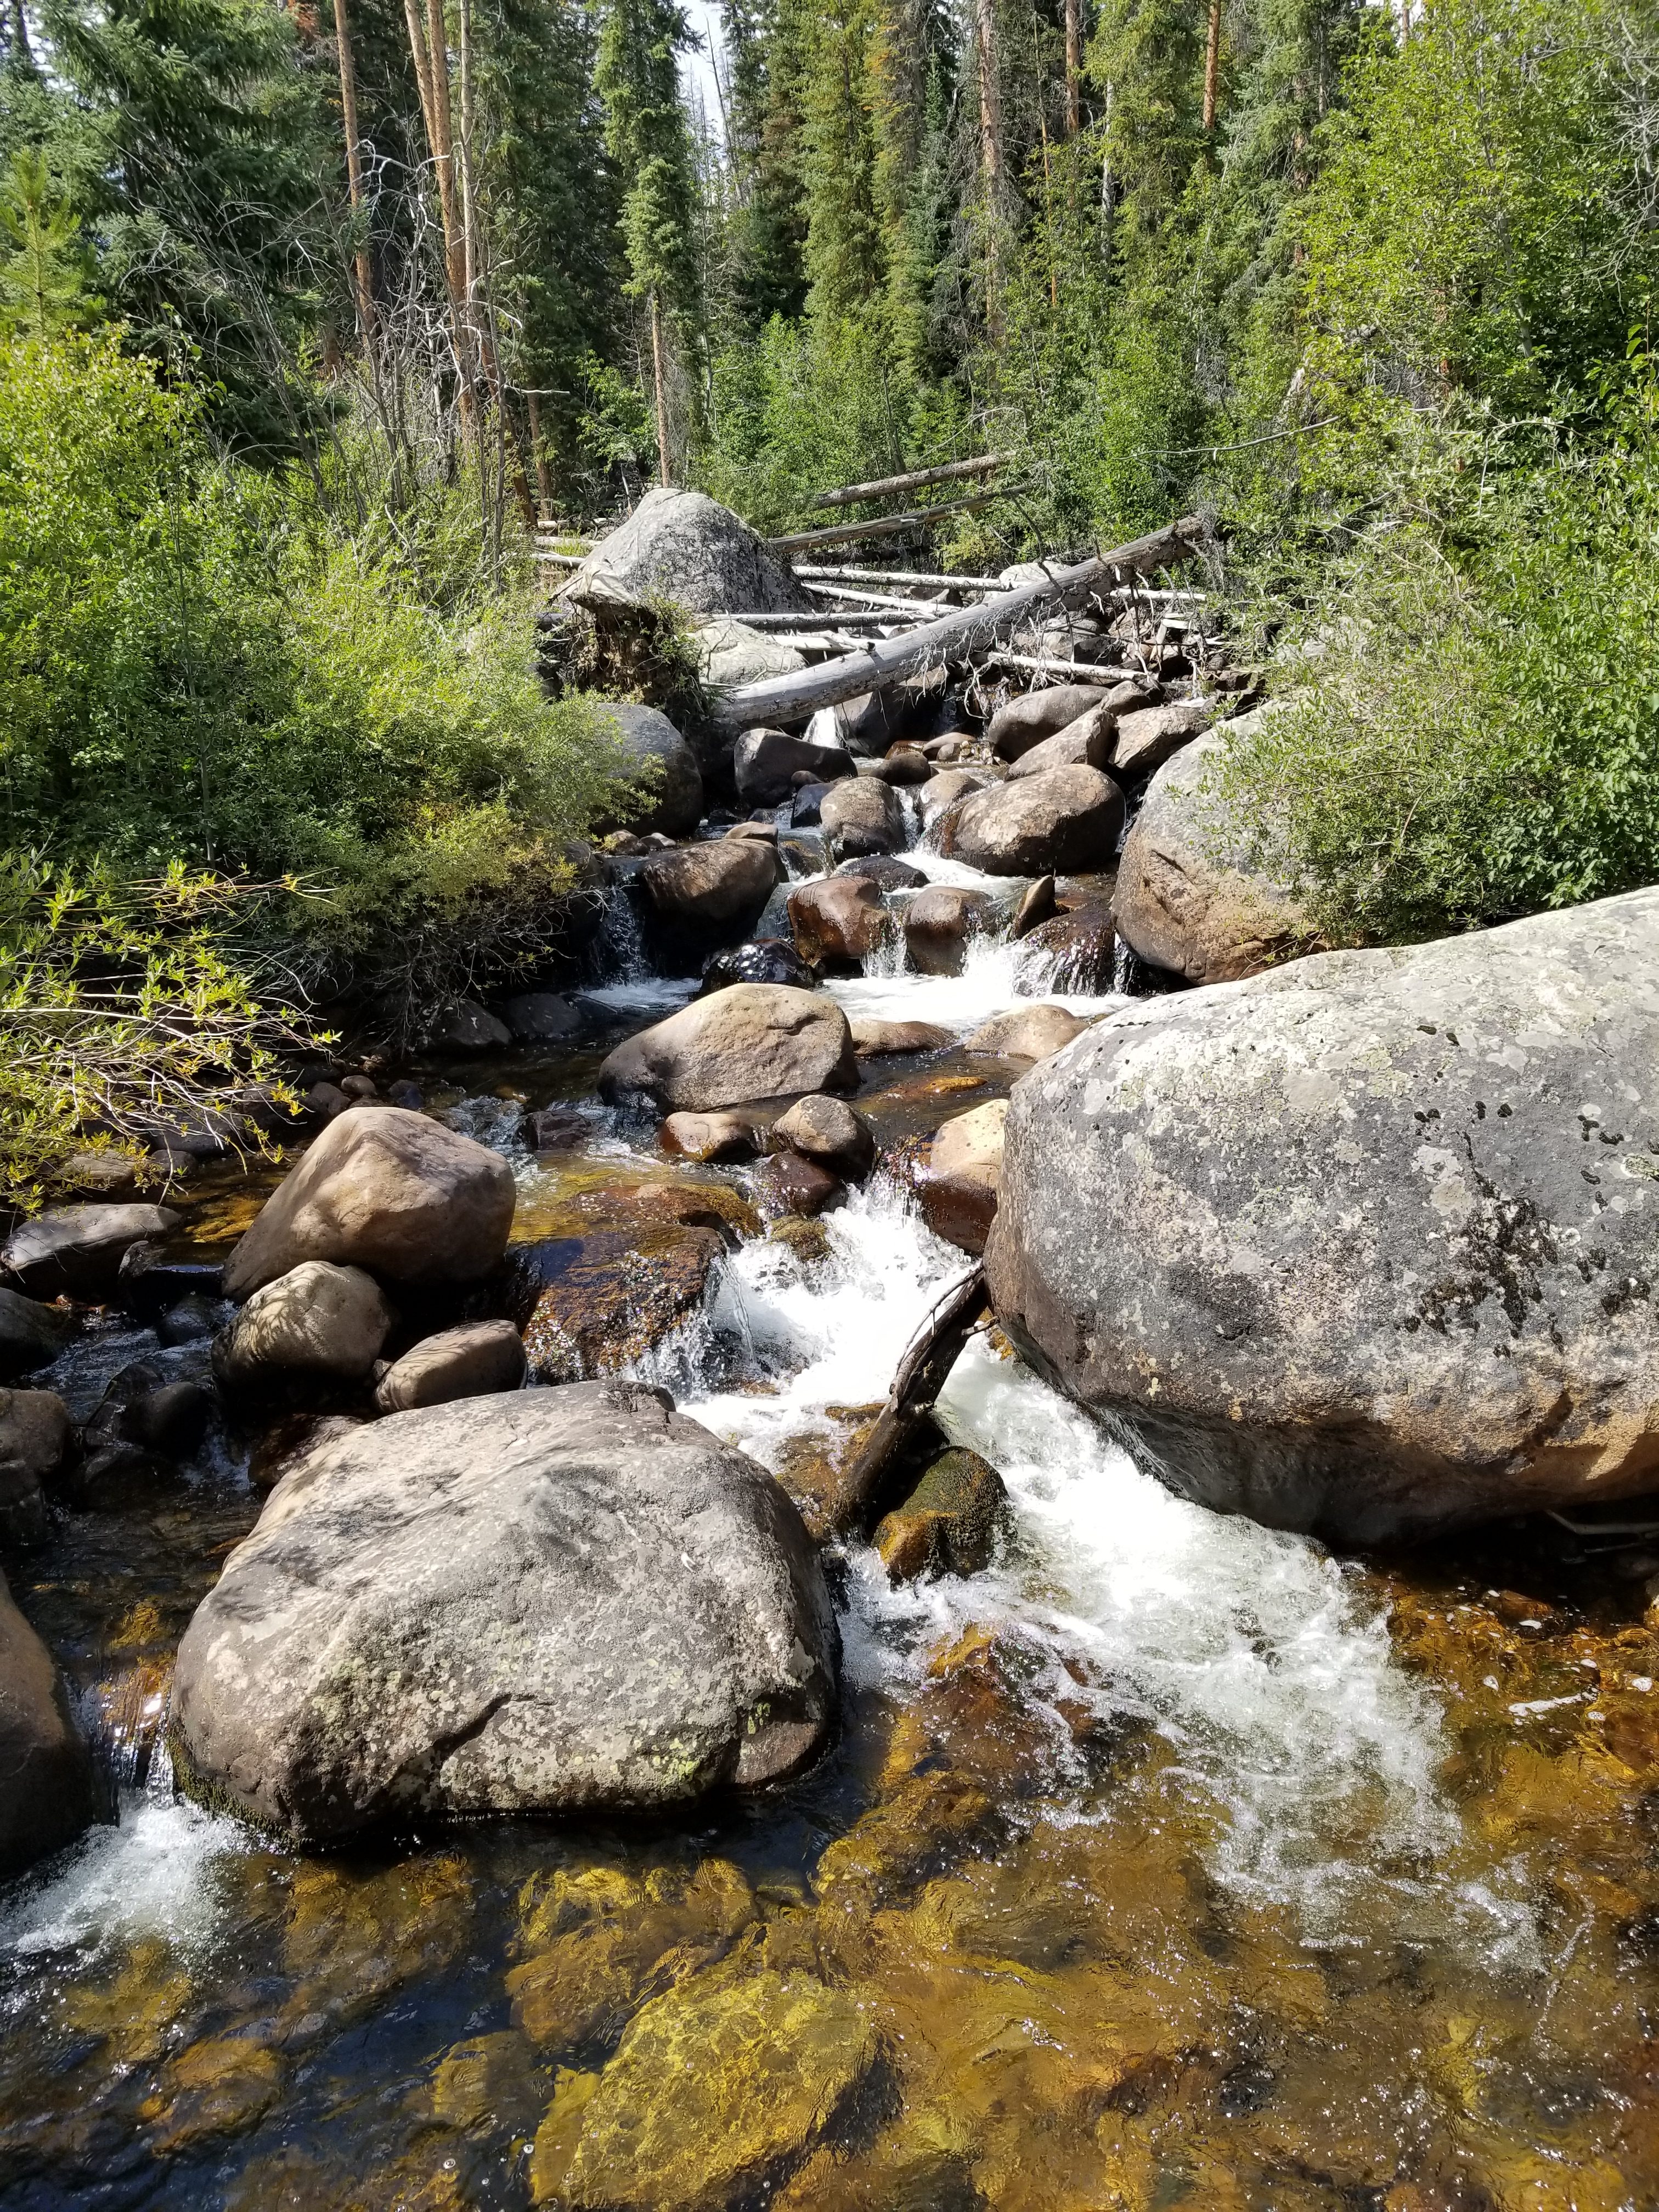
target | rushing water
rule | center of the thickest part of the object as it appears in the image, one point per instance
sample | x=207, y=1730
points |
x=1174, y=1859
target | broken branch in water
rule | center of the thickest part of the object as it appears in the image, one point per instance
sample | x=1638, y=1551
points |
x=922, y=1374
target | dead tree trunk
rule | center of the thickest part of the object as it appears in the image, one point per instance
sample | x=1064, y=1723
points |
x=1211, y=66
x=362, y=272
x=665, y=464
x=922, y=1374
x=990, y=158
x=1073, y=65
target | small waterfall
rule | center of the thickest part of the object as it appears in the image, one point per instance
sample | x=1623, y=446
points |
x=617, y=954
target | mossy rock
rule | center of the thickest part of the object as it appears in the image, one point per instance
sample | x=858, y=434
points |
x=949, y=1522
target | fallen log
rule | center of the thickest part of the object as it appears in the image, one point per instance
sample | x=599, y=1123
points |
x=825, y=618
x=917, y=480
x=780, y=699
x=831, y=576
x=875, y=599
x=922, y=1373
x=890, y=526
x=1073, y=671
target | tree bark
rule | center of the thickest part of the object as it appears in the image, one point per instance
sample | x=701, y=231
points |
x=664, y=464
x=1211, y=66
x=917, y=480
x=1073, y=65
x=543, y=474
x=363, y=284
x=432, y=78
x=922, y=1373
x=783, y=699
x=990, y=158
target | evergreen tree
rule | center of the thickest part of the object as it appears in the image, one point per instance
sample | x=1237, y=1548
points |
x=765, y=52
x=846, y=250
x=45, y=274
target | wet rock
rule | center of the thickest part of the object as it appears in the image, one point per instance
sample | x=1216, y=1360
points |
x=960, y=1208
x=76, y=1251
x=459, y=1611
x=937, y=924
x=718, y=2091
x=949, y=1522
x=31, y=1336
x=387, y=1190
x=1146, y=740
x=939, y=796
x=754, y=1040
x=1036, y=906
x=711, y=1136
x=48, y=1790
x=1077, y=950
x=839, y=922
x=791, y=1184
x=1030, y=1033
x=722, y=883
x=885, y=871
x=765, y=763
x=556, y=1129
x=1086, y=742
x=763, y=960
x=871, y=1038
x=538, y=1017
x=860, y=816
x=462, y=1025
x=488, y=2082
x=317, y=1319
x=37, y=1440
x=808, y=1244
x=290, y=1441
x=148, y=1284
x=971, y=1144
x=1067, y=820
x=473, y=1361
x=1190, y=896
x=1027, y=719
x=760, y=824
x=192, y=1321
x=218, y=2086
x=609, y=1297
x=1361, y=1246
x=670, y=800
x=804, y=809
x=903, y=766
x=868, y=724
x=827, y=1130
x=140, y=1408
x=683, y=546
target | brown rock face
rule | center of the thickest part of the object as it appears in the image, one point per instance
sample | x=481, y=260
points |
x=872, y=1039
x=603, y=1300
x=1030, y=1033
x=860, y=817
x=791, y=1184
x=36, y=1439
x=1351, y=1247
x=827, y=1130
x=388, y=1190
x=711, y=885
x=754, y=1040
x=1034, y=716
x=948, y=1524
x=710, y=1136
x=473, y=1361
x=937, y=924
x=765, y=763
x=76, y=1251
x=47, y=1790
x=1080, y=949
x=1065, y=822
x=838, y=921
x=1086, y=742
x=1188, y=896
x=1146, y=740
x=316, y=1320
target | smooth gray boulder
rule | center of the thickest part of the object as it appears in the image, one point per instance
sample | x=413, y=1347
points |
x=1364, y=1246
x=388, y=1190
x=1189, y=896
x=730, y=654
x=48, y=1788
x=474, y=1360
x=31, y=1336
x=750, y=1041
x=1066, y=821
x=76, y=1251
x=684, y=546
x=860, y=816
x=1086, y=742
x=462, y=1025
x=460, y=1611
x=764, y=763
x=670, y=799
x=316, y=1320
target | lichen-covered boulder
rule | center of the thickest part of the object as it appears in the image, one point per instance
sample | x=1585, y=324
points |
x=684, y=546
x=460, y=1611
x=753, y=1040
x=1363, y=1246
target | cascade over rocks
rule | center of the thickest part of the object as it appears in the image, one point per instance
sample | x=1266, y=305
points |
x=671, y=801
x=761, y=960
x=48, y=1790
x=684, y=546
x=1361, y=1246
x=753, y=1040
x=388, y=1190
x=1188, y=897
x=1066, y=821
x=1079, y=948
x=460, y=1611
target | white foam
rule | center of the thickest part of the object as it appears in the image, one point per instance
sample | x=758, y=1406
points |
x=996, y=975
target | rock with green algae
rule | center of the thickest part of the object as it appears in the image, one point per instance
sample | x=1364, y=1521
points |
x=719, y=2090
x=949, y=1522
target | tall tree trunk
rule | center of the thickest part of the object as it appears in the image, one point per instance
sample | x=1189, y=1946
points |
x=22, y=54
x=1073, y=65
x=432, y=77
x=990, y=158
x=664, y=464
x=1211, y=66
x=543, y=474
x=362, y=272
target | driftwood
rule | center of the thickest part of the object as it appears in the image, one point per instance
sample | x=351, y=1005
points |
x=922, y=1374
x=876, y=599
x=890, y=526
x=827, y=575
x=825, y=618
x=1073, y=671
x=780, y=699
x=918, y=480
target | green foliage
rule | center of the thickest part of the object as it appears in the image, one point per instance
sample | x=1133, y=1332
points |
x=120, y=1016
x=646, y=137
x=45, y=274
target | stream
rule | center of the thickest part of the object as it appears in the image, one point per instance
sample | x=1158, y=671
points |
x=1178, y=1861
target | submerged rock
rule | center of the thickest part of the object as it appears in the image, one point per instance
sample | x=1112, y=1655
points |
x=387, y=1190
x=949, y=1522
x=1066, y=821
x=36, y=1440
x=1188, y=896
x=76, y=1251
x=603, y=1300
x=1362, y=1246
x=754, y=1040
x=1077, y=950
x=459, y=1611
x=48, y=1790
x=1032, y=1033
x=473, y=1361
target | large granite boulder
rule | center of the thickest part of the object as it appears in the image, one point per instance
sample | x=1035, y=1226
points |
x=670, y=800
x=730, y=654
x=48, y=1788
x=388, y=1190
x=718, y=884
x=684, y=546
x=1363, y=1246
x=1146, y=740
x=753, y=1040
x=1086, y=742
x=460, y=1611
x=1189, y=898
x=1065, y=822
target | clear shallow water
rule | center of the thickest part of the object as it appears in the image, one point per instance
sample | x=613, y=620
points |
x=1177, y=1861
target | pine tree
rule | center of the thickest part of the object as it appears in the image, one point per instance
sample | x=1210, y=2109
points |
x=765, y=48
x=846, y=250
x=46, y=276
